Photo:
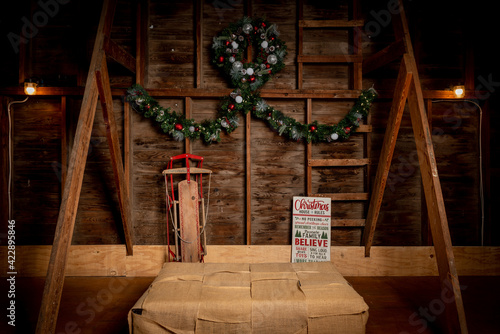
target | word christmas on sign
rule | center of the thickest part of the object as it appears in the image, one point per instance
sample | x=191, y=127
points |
x=311, y=229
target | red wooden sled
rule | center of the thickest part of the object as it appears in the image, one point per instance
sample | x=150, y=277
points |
x=188, y=210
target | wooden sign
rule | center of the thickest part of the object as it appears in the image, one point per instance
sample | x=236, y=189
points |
x=311, y=229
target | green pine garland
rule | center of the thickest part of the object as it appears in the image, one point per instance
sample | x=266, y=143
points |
x=229, y=55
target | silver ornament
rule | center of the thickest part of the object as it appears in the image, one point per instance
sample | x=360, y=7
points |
x=237, y=65
x=231, y=59
x=272, y=59
x=247, y=28
x=334, y=136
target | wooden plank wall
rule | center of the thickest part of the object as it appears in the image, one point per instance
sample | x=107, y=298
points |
x=277, y=165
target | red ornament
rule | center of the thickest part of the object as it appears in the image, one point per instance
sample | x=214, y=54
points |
x=148, y=106
x=313, y=128
x=263, y=24
x=178, y=126
x=228, y=42
x=221, y=59
x=268, y=66
x=347, y=129
x=252, y=78
x=196, y=129
x=231, y=106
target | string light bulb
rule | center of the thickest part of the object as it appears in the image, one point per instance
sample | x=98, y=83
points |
x=459, y=91
x=30, y=88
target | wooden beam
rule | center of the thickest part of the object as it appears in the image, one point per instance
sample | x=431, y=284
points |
x=435, y=204
x=331, y=23
x=52, y=292
x=308, y=150
x=425, y=231
x=489, y=229
x=127, y=149
x=104, y=89
x=119, y=54
x=330, y=59
x=141, y=42
x=112, y=260
x=337, y=162
x=384, y=164
x=248, y=178
x=385, y=56
x=266, y=93
x=188, y=106
x=64, y=143
x=199, y=42
x=344, y=196
x=248, y=150
x=300, y=44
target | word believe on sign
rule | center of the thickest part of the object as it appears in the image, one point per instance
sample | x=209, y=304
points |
x=311, y=229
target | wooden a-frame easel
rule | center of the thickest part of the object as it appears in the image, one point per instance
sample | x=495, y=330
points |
x=408, y=89
x=98, y=86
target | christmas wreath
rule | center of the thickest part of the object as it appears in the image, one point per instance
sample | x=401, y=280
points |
x=247, y=77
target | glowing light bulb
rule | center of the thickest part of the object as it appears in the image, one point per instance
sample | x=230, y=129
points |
x=459, y=91
x=29, y=88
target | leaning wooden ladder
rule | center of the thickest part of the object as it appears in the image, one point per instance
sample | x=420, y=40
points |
x=97, y=86
x=408, y=88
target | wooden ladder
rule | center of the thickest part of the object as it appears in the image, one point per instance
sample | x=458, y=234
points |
x=408, y=90
x=354, y=58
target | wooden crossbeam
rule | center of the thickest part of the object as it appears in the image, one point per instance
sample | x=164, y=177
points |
x=119, y=54
x=388, y=54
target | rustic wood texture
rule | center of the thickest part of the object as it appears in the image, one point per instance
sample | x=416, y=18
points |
x=173, y=79
x=112, y=260
x=121, y=187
